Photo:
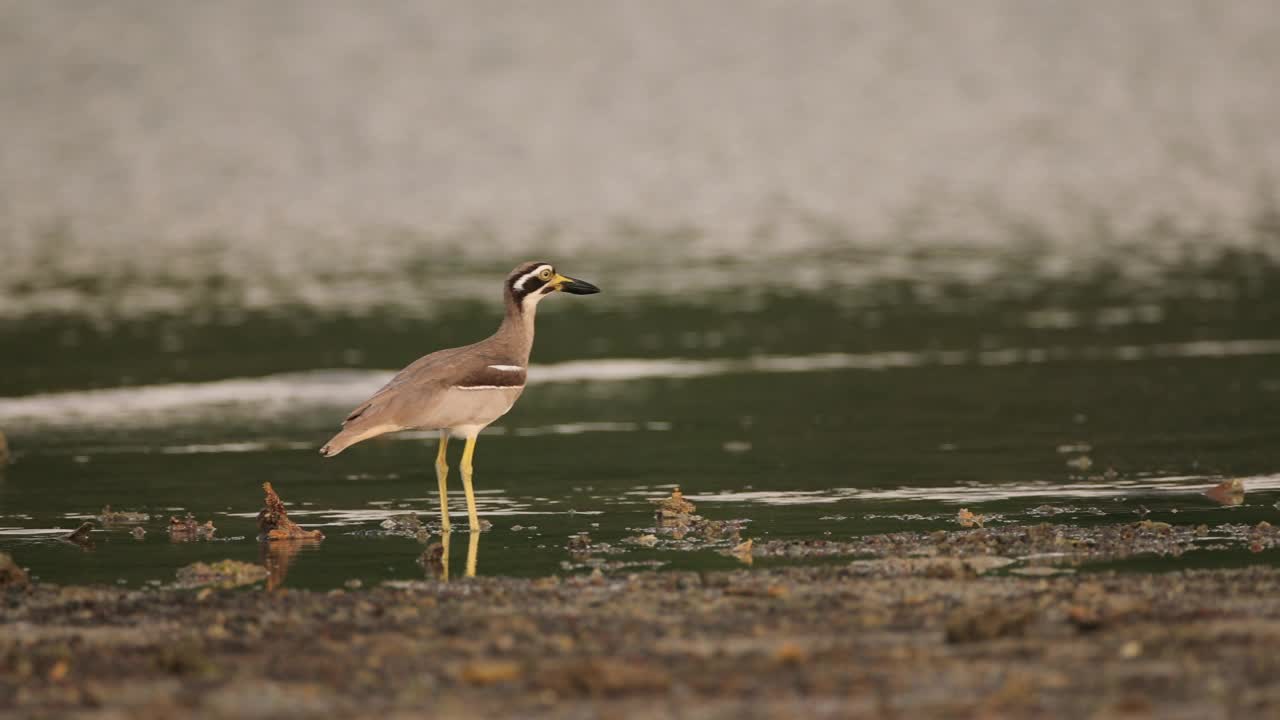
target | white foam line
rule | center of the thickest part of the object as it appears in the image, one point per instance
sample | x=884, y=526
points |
x=975, y=493
x=291, y=393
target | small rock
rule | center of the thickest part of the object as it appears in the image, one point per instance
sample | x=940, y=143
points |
x=489, y=672
x=742, y=552
x=223, y=574
x=1229, y=492
x=789, y=653
x=643, y=540
x=138, y=533
x=188, y=529
x=968, y=519
x=353, y=584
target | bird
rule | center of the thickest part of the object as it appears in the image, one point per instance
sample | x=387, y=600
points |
x=459, y=391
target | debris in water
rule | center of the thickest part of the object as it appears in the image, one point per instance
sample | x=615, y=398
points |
x=138, y=533
x=1229, y=492
x=1142, y=511
x=274, y=522
x=10, y=574
x=968, y=519
x=1263, y=536
x=222, y=574
x=117, y=517
x=80, y=535
x=674, y=510
x=579, y=543
x=1081, y=463
x=736, y=446
x=1064, y=542
x=188, y=529
x=407, y=522
x=648, y=540
x=742, y=551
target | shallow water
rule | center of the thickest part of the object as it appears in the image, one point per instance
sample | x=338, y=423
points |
x=797, y=447
x=863, y=265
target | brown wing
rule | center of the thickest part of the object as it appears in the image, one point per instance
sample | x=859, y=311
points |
x=426, y=375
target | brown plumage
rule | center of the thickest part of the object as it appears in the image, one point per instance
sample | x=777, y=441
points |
x=462, y=389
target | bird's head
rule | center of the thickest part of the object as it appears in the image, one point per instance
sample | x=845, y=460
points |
x=532, y=281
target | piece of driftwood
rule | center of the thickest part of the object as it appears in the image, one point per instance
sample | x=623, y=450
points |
x=274, y=522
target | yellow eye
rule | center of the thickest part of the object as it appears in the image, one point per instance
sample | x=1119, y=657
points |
x=545, y=274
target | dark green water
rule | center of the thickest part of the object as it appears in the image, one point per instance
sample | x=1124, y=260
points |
x=858, y=410
x=863, y=265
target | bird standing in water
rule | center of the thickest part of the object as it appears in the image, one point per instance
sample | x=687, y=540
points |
x=459, y=391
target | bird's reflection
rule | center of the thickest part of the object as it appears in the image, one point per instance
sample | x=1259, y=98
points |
x=435, y=560
x=278, y=555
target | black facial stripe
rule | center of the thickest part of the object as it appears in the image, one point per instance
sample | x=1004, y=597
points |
x=532, y=283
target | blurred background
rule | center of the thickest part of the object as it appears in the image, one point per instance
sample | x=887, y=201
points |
x=879, y=247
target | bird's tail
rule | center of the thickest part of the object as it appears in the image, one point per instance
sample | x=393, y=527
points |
x=339, y=442
x=353, y=433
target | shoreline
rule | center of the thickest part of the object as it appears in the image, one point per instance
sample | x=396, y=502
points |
x=822, y=640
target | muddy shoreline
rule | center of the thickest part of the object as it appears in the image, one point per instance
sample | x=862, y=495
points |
x=838, y=640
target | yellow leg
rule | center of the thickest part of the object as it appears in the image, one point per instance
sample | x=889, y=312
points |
x=444, y=556
x=442, y=475
x=467, y=452
x=473, y=552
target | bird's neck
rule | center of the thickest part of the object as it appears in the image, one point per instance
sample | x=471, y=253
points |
x=517, y=329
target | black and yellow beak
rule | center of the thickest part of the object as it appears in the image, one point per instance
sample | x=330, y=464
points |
x=573, y=286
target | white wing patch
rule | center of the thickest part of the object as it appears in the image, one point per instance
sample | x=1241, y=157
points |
x=487, y=387
x=507, y=368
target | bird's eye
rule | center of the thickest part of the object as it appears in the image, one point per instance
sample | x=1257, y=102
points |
x=545, y=274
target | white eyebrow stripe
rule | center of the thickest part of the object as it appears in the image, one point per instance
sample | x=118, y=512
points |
x=507, y=368
x=487, y=387
x=519, y=284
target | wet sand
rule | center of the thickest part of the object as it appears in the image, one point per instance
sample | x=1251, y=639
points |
x=941, y=635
